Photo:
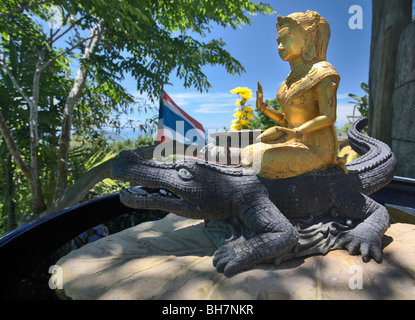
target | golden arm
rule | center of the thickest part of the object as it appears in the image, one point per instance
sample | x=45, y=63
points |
x=327, y=101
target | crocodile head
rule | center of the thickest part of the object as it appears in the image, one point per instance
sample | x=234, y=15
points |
x=187, y=187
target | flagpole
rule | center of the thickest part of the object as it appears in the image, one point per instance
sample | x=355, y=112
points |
x=160, y=103
x=162, y=91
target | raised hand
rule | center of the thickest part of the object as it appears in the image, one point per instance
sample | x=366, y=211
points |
x=260, y=98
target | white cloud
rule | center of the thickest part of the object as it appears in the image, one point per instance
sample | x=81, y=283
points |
x=183, y=99
x=206, y=103
x=214, y=108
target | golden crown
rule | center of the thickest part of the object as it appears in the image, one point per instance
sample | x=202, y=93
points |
x=309, y=21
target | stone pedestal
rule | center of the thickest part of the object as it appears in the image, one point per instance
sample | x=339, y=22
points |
x=172, y=259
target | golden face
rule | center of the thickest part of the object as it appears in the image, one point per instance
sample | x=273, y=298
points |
x=290, y=44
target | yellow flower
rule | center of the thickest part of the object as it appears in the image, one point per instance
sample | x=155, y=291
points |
x=243, y=91
x=236, y=90
x=246, y=93
x=243, y=114
x=238, y=114
x=243, y=122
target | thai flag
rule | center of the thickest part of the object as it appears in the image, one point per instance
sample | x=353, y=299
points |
x=175, y=124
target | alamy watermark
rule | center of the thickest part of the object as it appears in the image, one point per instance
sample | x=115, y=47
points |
x=356, y=20
x=56, y=279
x=356, y=279
x=57, y=19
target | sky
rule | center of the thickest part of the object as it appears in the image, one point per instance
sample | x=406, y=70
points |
x=255, y=47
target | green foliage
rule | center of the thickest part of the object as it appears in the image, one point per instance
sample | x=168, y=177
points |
x=19, y=42
x=156, y=37
x=148, y=39
x=261, y=121
x=361, y=104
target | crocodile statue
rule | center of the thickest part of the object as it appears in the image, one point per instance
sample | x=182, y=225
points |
x=254, y=220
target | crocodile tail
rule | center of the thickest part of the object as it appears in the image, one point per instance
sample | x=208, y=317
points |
x=377, y=165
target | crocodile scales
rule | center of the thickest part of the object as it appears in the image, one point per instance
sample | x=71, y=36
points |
x=254, y=220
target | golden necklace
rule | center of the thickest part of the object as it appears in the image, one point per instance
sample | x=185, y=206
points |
x=297, y=74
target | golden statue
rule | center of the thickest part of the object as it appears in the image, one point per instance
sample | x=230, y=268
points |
x=306, y=140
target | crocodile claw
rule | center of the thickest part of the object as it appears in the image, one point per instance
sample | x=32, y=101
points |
x=365, y=242
x=227, y=261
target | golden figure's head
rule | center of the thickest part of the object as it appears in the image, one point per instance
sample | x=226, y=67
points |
x=314, y=33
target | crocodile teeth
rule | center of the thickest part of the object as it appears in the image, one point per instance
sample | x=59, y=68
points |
x=143, y=192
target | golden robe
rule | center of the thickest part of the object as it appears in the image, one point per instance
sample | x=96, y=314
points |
x=314, y=151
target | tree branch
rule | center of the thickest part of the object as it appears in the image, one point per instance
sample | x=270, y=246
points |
x=36, y=187
x=47, y=63
x=32, y=172
x=21, y=8
x=63, y=23
x=14, y=150
x=52, y=39
x=63, y=155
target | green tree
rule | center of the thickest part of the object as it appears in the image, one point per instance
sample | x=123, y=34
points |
x=107, y=39
x=32, y=117
x=361, y=104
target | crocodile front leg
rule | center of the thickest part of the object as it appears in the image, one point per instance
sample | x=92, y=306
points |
x=274, y=236
x=366, y=237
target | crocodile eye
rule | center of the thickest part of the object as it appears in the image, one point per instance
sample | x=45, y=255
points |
x=184, y=174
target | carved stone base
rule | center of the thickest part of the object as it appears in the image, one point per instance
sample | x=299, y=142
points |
x=172, y=259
